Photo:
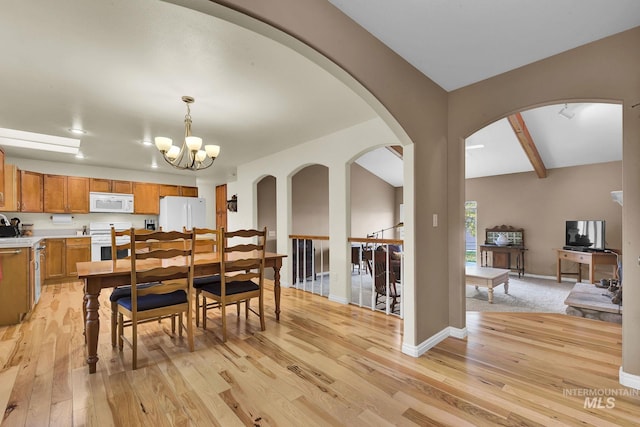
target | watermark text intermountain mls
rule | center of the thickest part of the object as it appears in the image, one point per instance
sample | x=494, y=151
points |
x=600, y=398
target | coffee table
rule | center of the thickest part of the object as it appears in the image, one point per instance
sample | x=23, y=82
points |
x=487, y=277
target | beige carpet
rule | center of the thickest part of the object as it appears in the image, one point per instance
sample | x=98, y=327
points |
x=525, y=294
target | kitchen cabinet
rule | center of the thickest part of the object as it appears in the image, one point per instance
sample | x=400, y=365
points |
x=110, y=186
x=31, y=192
x=189, y=191
x=77, y=249
x=11, y=189
x=2, y=181
x=61, y=256
x=169, y=190
x=15, y=294
x=146, y=198
x=66, y=194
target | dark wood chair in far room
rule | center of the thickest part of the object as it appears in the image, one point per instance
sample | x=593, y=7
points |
x=168, y=263
x=120, y=251
x=384, y=268
x=241, y=274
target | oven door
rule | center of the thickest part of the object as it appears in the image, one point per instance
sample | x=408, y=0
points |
x=102, y=252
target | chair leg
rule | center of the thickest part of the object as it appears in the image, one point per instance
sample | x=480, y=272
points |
x=224, y=321
x=190, y=329
x=173, y=324
x=120, y=331
x=134, y=345
x=246, y=308
x=114, y=323
x=204, y=312
x=261, y=311
x=197, y=307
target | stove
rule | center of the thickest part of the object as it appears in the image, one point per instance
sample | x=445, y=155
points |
x=100, y=233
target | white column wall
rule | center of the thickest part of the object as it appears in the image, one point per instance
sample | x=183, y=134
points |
x=336, y=152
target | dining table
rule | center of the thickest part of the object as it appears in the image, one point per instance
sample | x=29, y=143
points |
x=98, y=275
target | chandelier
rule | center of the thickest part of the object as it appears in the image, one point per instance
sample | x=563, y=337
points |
x=189, y=156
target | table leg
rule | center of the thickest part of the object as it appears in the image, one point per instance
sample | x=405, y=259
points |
x=490, y=292
x=276, y=289
x=592, y=271
x=506, y=285
x=92, y=326
x=558, y=270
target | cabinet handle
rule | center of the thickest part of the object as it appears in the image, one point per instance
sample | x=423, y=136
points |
x=15, y=252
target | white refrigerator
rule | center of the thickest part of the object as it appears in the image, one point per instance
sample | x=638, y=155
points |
x=178, y=212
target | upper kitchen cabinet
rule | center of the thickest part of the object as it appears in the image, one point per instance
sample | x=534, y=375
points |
x=169, y=190
x=146, y=198
x=189, y=191
x=31, y=192
x=11, y=189
x=110, y=186
x=66, y=194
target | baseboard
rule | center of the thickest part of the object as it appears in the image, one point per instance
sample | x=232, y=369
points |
x=629, y=380
x=422, y=348
x=340, y=300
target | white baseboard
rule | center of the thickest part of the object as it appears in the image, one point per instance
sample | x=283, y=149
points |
x=337, y=299
x=629, y=380
x=422, y=348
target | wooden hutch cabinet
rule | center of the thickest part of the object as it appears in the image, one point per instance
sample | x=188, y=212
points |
x=508, y=255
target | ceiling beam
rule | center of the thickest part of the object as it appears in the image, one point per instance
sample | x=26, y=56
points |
x=520, y=128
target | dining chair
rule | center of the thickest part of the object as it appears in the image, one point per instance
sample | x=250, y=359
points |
x=170, y=296
x=207, y=240
x=122, y=251
x=383, y=268
x=242, y=263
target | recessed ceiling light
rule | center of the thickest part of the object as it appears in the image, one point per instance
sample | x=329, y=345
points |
x=154, y=165
x=77, y=131
x=38, y=141
x=474, y=147
x=79, y=155
x=147, y=143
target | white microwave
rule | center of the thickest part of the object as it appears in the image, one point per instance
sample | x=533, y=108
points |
x=110, y=202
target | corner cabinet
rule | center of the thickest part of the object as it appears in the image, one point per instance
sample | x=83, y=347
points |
x=11, y=189
x=2, y=180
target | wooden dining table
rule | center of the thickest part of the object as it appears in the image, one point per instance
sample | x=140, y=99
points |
x=98, y=275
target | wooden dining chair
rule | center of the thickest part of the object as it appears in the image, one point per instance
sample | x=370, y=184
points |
x=170, y=296
x=383, y=268
x=207, y=240
x=122, y=251
x=241, y=275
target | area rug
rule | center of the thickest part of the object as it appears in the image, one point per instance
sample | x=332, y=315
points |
x=526, y=294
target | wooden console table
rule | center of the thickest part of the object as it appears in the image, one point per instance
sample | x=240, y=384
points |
x=589, y=258
x=502, y=257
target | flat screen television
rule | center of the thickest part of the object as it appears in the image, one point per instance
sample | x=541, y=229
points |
x=585, y=235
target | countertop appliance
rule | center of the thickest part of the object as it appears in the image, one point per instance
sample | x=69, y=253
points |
x=100, y=233
x=178, y=212
x=110, y=202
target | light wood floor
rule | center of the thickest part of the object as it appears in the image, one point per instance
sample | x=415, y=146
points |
x=322, y=364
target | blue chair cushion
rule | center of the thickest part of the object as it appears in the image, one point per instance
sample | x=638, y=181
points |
x=199, y=282
x=125, y=291
x=232, y=288
x=151, y=301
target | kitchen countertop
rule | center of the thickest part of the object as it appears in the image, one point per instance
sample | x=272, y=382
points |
x=25, y=242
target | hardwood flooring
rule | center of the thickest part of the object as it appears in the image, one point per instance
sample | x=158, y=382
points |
x=322, y=364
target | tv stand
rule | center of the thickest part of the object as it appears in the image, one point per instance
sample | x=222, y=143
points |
x=589, y=258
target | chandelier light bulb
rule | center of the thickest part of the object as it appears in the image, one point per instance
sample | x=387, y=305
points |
x=173, y=152
x=163, y=143
x=193, y=142
x=201, y=155
x=212, y=150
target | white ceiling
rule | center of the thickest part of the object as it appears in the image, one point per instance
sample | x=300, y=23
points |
x=118, y=69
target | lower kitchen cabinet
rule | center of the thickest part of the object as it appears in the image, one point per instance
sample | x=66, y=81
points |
x=61, y=256
x=15, y=293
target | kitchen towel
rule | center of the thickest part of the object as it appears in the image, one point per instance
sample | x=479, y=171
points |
x=61, y=219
